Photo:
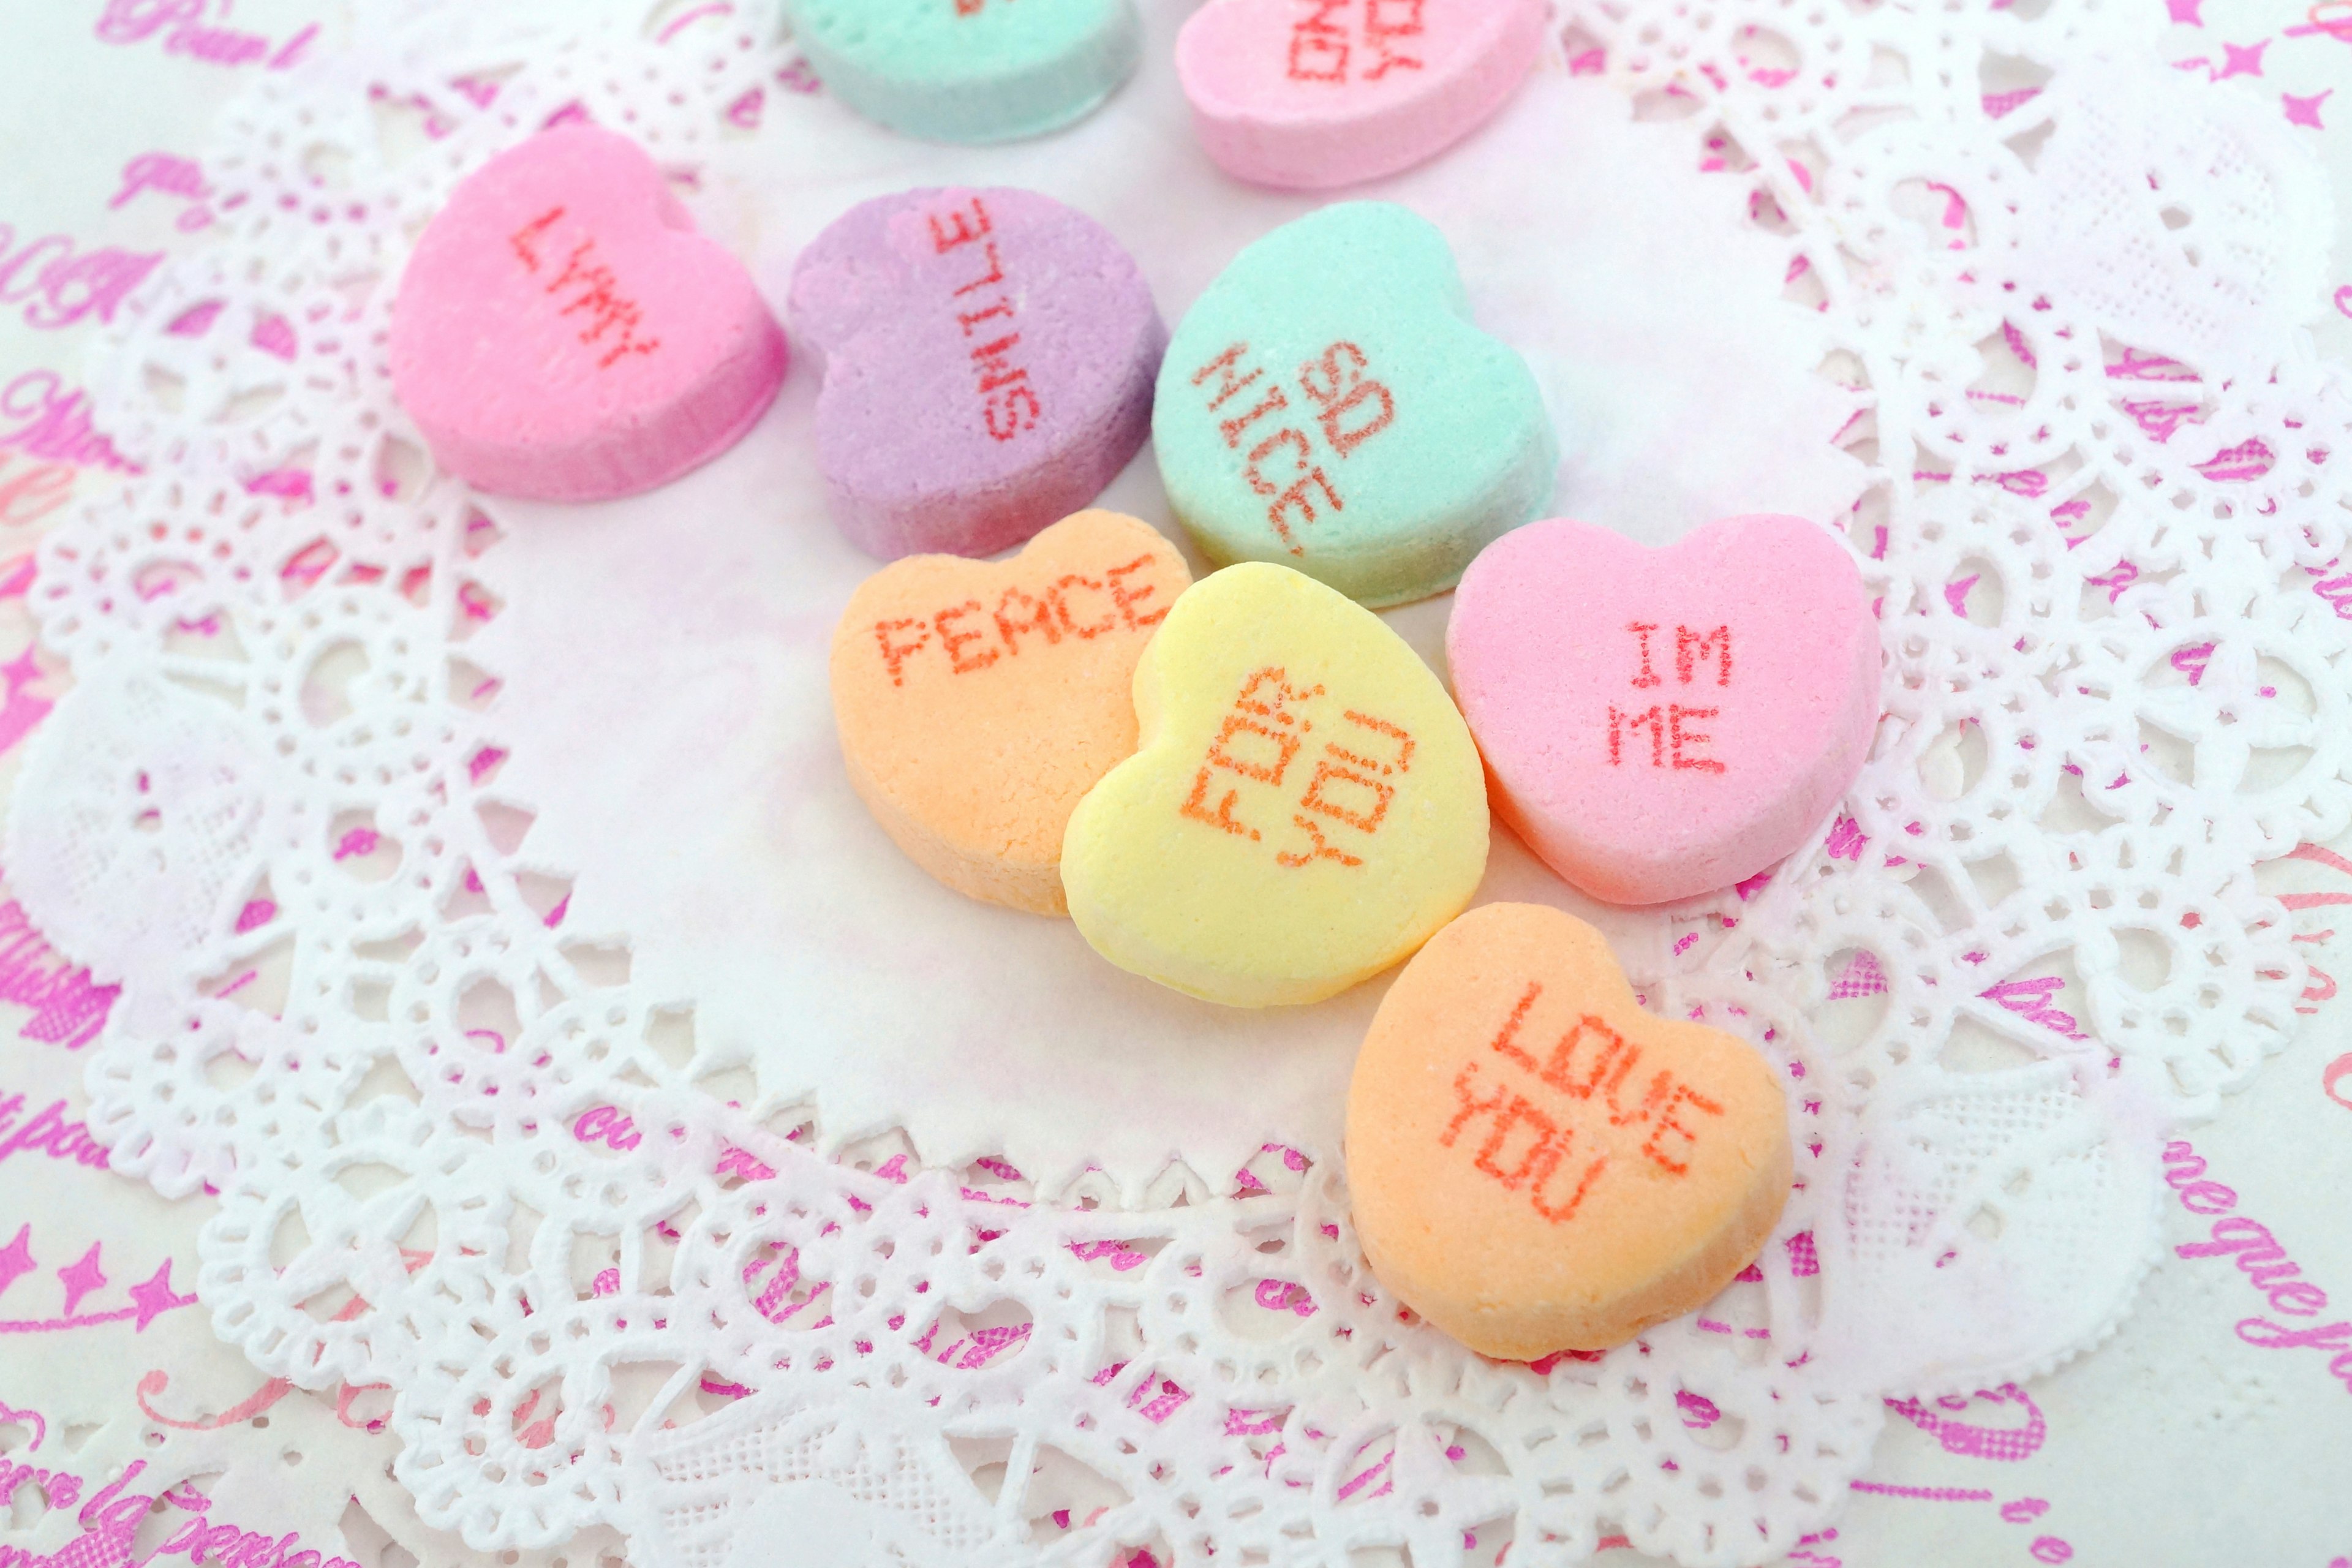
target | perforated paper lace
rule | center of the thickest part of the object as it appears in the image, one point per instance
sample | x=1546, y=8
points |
x=2105, y=506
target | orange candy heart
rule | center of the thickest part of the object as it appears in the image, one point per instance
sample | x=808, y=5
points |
x=977, y=702
x=1539, y=1165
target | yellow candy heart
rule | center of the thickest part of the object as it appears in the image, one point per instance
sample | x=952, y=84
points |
x=1307, y=807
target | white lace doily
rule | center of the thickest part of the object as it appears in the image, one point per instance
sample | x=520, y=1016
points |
x=620, y=1272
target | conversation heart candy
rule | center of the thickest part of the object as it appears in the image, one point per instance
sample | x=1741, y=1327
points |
x=1661, y=724
x=978, y=700
x=562, y=332
x=1305, y=807
x=989, y=358
x=970, y=71
x=1311, y=94
x=1536, y=1164
x=1328, y=405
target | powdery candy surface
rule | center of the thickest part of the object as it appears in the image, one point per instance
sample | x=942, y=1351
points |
x=1305, y=808
x=971, y=70
x=978, y=700
x=563, y=334
x=1536, y=1164
x=989, y=366
x=1314, y=95
x=1330, y=404
x=1658, y=724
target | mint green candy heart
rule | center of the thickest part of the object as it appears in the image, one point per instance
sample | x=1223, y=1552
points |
x=1329, y=405
x=970, y=71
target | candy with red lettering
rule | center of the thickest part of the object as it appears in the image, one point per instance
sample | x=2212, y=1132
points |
x=977, y=700
x=988, y=357
x=1330, y=404
x=1661, y=724
x=1536, y=1164
x=970, y=71
x=1303, y=810
x=562, y=331
x=1313, y=94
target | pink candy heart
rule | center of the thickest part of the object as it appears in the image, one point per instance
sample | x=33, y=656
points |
x=1313, y=94
x=562, y=332
x=1661, y=724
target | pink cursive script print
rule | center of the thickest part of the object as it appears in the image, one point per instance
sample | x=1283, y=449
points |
x=61, y=286
x=197, y=29
x=45, y=1131
x=111, y=1519
x=69, y=1008
x=2263, y=1262
x=170, y=176
x=41, y=418
x=30, y=493
x=2335, y=586
x=2032, y=999
x=1958, y=1425
x=2003, y=1443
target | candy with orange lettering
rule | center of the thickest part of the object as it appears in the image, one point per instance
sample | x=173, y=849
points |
x=1304, y=809
x=1330, y=92
x=1662, y=723
x=1536, y=1164
x=562, y=332
x=977, y=702
x=989, y=358
x=1329, y=405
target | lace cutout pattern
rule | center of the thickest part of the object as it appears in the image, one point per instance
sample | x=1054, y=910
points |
x=2106, y=517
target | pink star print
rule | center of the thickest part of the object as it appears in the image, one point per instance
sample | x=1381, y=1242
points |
x=2184, y=12
x=17, y=1258
x=81, y=1278
x=2236, y=61
x=21, y=709
x=2306, y=111
x=155, y=1296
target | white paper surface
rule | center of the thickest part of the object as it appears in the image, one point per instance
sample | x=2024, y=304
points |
x=2178, y=1441
x=687, y=632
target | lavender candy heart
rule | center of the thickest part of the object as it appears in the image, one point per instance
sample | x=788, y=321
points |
x=989, y=363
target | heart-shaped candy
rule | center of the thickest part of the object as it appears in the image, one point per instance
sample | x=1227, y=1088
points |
x=1305, y=808
x=989, y=365
x=562, y=332
x=1311, y=94
x=978, y=700
x=1661, y=724
x=1328, y=405
x=1536, y=1164
x=970, y=71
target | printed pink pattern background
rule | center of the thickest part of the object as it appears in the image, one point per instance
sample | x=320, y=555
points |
x=127, y=1434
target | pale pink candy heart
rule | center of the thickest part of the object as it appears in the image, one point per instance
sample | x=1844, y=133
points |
x=562, y=332
x=1314, y=94
x=1661, y=724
